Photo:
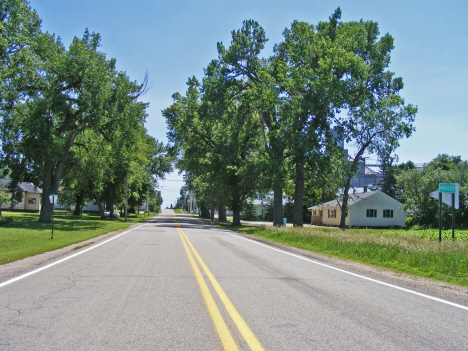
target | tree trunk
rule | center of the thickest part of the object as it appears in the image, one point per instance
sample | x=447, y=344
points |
x=278, y=210
x=52, y=175
x=344, y=202
x=78, y=203
x=111, y=209
x=222, y=213
x=212, y=210
x=352, y=171
x=101, y=208
x=236, y=217
x=299, y=195
x=344, y=211
x=46, y=209
x=47, y=190
x=236, y=208
x=205, y=212
x=77, y=210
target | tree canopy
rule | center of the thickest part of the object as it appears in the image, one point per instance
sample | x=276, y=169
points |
x=292, y=100
x=68, y=115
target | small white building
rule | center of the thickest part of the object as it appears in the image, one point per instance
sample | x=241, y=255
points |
x=369, y=209
x=32, y=196
x=88, y=206
x=260, y=207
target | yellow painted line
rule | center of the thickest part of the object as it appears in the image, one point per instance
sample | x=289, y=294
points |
x=223, y=332
x=242, y=326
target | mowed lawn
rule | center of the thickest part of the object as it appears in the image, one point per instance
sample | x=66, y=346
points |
x=21, y=235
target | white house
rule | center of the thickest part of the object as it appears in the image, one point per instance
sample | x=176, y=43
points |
x=31, y=196
x=260, y=207
x=89, y=206
x=369, y=209
x=92, y=206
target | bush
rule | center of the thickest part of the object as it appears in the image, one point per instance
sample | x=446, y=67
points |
x=152, y=206
x=268, y=216
x=249, y=213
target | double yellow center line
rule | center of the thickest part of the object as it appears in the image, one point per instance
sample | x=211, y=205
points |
x=223, y=331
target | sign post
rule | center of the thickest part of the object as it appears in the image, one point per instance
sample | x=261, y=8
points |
x=448, y=193
x=440, y=217
x=453, y=217
x=52, y=199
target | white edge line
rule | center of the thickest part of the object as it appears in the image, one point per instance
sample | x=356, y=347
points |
x=66, y=258
x=351, y=273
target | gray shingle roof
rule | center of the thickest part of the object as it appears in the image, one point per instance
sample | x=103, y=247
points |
x=25, y=186
x=352, y=199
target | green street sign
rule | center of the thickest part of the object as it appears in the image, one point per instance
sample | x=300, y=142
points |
x=447, y=188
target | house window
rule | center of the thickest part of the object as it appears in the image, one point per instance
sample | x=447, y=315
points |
x=371, y=212
x=32, y=201
x=331, y=213
x=320, y=213
x=388, y=213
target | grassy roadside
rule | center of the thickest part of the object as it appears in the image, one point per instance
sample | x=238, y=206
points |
x=21, y=235
x=411, y=252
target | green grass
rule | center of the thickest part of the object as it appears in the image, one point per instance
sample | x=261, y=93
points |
x=21, y=235
x=413, y=252
x=433, y=234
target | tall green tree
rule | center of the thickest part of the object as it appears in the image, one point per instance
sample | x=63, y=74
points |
x=312, y=67
x=377, y=130
x=21, y=34
x=86, y=169
x=98, y=166
x=217, y=131
x=377, y=116
x=389, y=183
x=20, y=40
x=78, y=89
x=417, y=184
x=243, y=67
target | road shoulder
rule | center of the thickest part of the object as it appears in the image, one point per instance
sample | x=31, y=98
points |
x=12, y=269
x=454, y=293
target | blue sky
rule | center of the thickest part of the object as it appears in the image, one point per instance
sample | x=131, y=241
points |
x=174, y=40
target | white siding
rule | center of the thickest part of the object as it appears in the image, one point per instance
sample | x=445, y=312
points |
x=6, y=205
x=378, y=201
x=90, y=206
x=24, y=205
x=32, y=207
x=261, y=209
x=19, y=206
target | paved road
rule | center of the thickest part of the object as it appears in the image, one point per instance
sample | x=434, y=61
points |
x=182, y=285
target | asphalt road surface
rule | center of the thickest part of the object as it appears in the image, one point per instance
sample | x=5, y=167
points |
x=179, y=284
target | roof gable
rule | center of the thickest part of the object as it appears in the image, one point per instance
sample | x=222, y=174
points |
x=352, y=199
x=24, y=186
